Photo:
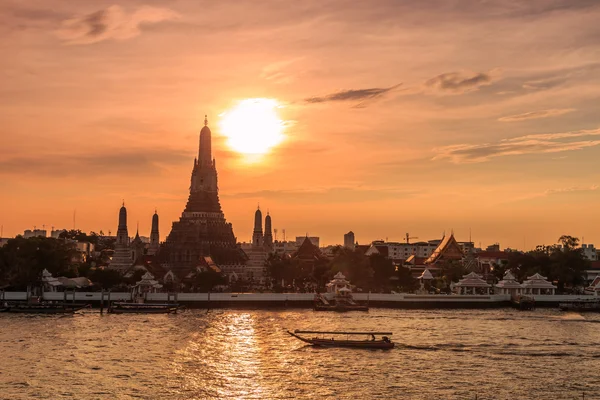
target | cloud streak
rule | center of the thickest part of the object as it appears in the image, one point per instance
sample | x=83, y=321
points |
x=536, y=115
x=459, y=82
x=529, y=144
x=111, y=23
x=132, y=162
x=352, y=95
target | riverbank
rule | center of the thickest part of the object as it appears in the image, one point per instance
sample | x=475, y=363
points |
x=297, y=300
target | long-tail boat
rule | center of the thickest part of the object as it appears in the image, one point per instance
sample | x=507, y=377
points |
x=143, y=308
x=370, y=343
x=44, y=308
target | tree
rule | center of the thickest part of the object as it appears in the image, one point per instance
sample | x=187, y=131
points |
x=406, y=282
x=564, y=264
x=23, y=260
x=205, y=281
x=106, y=278
x=383, y=269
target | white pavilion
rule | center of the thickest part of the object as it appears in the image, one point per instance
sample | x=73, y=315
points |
x=50, y=283
x=472, y=283
x=537, y=284
x=339, y=285
x=425, y=278
x=147, y=284
x=508, y=285
x=594, y=287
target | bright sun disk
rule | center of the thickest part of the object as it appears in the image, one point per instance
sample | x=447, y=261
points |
x=253, y=126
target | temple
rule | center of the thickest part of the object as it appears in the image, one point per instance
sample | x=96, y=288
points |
x=129, y=252
x=202, y=230
x=122, y=258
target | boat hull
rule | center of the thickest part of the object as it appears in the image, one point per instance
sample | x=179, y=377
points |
x=142, y=311
x=356, y=344
x=143, y=308
x=340, y=308
x=580, y=307
x=42, y=310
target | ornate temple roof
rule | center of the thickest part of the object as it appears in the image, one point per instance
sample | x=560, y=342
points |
x=426, y=275
x=448, y=249
x=508, y=281
x=472, y=280
x=537, y=281
x=307, y=250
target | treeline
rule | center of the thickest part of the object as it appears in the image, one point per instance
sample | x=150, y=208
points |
x=374, y=272
x=23, y=260
x=562, y=263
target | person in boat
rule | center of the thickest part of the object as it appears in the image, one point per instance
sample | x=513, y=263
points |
x=386, y=339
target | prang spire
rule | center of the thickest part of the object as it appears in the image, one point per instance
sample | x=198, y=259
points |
x=204, y=152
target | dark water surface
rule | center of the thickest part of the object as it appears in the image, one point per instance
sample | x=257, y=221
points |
x=440, y=354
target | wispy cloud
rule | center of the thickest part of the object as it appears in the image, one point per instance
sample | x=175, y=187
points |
x=352, y=95
x=333, y=194
x=134, y=162
x=529, y=144
x=536, y=114
x=459, y=82
x=111, y=23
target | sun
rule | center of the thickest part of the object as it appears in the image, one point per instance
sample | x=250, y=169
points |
x=253, y=126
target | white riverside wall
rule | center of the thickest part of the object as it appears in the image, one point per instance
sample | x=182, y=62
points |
x=291, y=297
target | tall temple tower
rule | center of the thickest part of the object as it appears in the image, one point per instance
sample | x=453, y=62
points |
x=121, y=259
x=202, y=230
x=154, y=236
x=257, y=234
x=137, y=246
x=268, y=239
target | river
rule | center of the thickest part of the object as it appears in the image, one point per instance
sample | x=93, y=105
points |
x=440, y=354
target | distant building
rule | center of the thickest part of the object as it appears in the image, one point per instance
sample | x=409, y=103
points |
x=313, y=239
x=399, y=252
x=589, y=252
x=285, y=247
x=349, y=240
x=3, y=241
x=34, y=233
x=56, y=233
x=493, y=247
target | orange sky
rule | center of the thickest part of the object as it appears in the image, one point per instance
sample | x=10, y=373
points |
x=401, y=116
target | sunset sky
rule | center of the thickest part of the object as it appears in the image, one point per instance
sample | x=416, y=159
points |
x=399, y=116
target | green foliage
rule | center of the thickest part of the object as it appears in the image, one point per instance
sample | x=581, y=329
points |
x=205, y=281
x=565, y=266
x=406, y=282
x=23, y=260
x=106, y=278
x=368, y=273
x=78, y=235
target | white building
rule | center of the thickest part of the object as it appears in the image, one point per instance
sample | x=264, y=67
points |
x=589, y=252
x=508, y=285
x=471, y=284
x=56, y=233
x=401, y=251
x=285, y=248
x=537, y=284
x=34, y=233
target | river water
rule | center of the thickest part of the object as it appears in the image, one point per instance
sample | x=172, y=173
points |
x=440, y=354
